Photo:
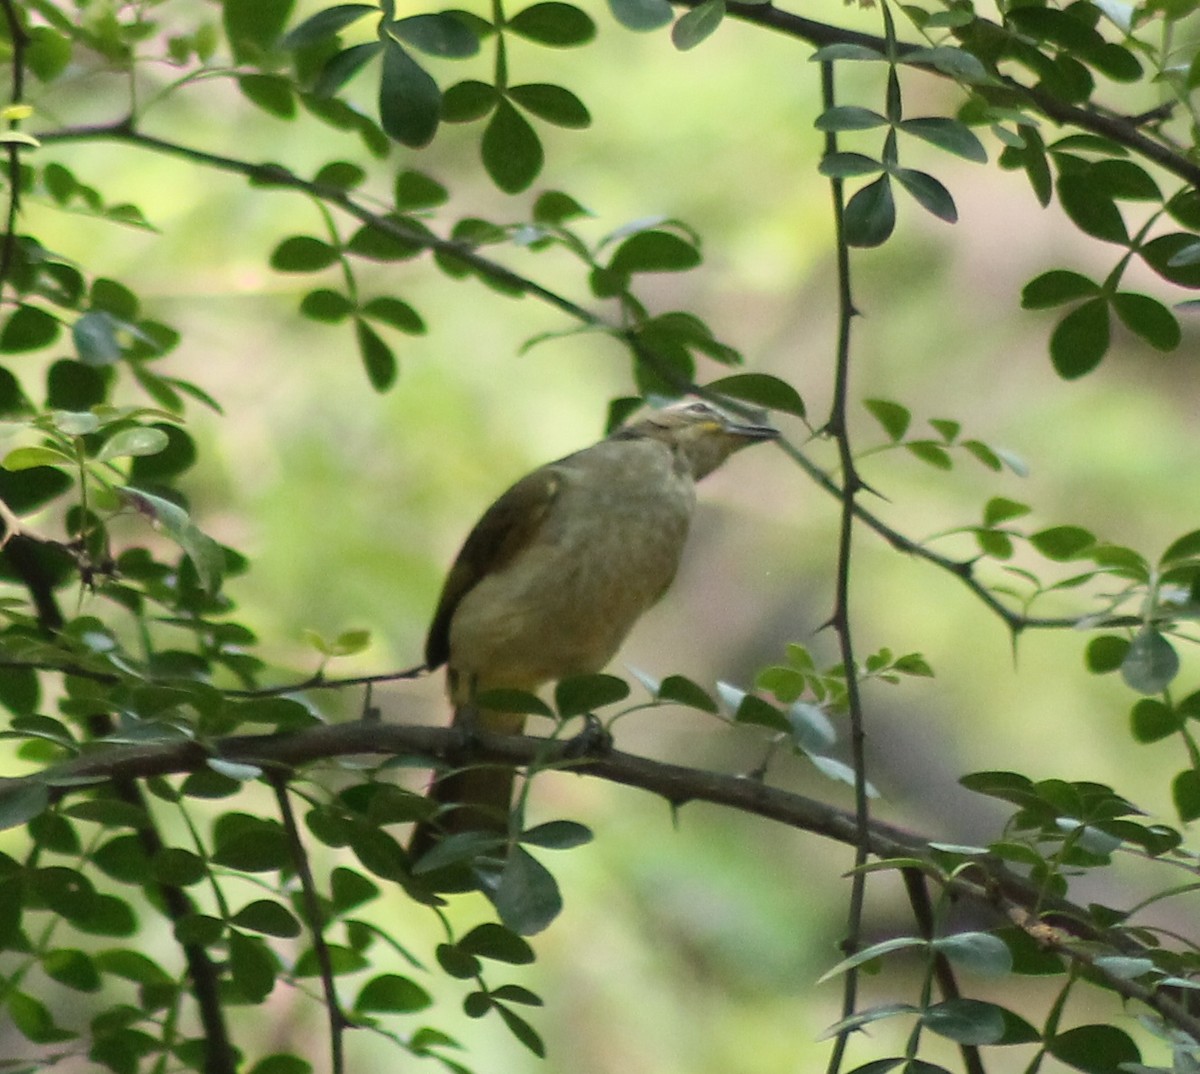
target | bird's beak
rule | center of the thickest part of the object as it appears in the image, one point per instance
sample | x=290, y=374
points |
x=751, y=430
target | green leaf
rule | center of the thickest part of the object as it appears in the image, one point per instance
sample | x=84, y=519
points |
x=979, y=952
x=849, y=117
x=682, y=691
x=894, y=418
x=20, y=804
x=846, y=51
x=580, y=694
x=1094, y=1049
x=325, y=24
x=1116, y=61
x=415, y=190
x=527, y=897
x=948, y=134
x=497, y=943
x=556, y=25
x=695, y=25
x=269, y=917
x=1151, y=720
x=929, y=193
x=72, y=968
x=281, y=1063
x=1063, y=543
x=557, y=835
x=654, y=251
x=342, y=66
x=394, y=312
x=512, y=151
x=1056, y=287
x=931, y=452
x=95, y=338
x=206, y=555
x=955, y=62
x=848, y=165
x=555, y=207
x=1080, y=339
x=641, y=14
x=326, y=306
x=1091, y=208
x=468, y=100
x=1160, y=254
x=377, y=357
x=762, y=389
x=870, y=215
x=439, y=34
x=179, y=867
x=377, y=244
x=869, y=954
x=271, y=93
x=250, y=844
x=410, y=102
x=966, y=1021
x=21, y=693
x=237, y=770
x=1125, y=180
x=1185, y=793
x=1151, y=663
x=999, y=509
x=552, y=103
x=1148, y=318
x=141, y=440
x=47, y=52
x=341, y=175
x=28, y=329
x=303, y=253
x=392, y=994
x=522, y=1030
x=252, y=967
x=253, y=26
x=33, y=1019
x=1106, y=653
x=27, y=458
x=349, y=889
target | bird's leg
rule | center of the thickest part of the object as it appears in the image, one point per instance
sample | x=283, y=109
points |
x=595, y=740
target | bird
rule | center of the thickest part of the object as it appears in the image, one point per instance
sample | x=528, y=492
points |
x=555, y=574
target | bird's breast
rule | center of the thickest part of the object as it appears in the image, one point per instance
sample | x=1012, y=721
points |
x=607, y=550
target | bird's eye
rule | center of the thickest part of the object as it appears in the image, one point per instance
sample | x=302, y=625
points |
x=698, y=408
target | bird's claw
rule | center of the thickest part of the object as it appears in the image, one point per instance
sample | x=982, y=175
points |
x=594, y=740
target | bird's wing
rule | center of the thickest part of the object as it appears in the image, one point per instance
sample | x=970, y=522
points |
x=508, y=526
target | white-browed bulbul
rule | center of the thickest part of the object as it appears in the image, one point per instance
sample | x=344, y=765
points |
x=557, y=571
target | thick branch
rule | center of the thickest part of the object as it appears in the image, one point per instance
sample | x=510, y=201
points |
x=989, y=882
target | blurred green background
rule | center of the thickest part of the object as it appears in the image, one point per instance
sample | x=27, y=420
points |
x=688, y=944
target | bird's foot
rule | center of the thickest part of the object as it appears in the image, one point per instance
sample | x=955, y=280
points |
x=595, y=740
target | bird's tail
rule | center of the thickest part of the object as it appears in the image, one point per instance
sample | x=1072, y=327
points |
x=474, y=799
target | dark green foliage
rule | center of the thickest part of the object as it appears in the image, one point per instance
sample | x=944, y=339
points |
x=119, y=637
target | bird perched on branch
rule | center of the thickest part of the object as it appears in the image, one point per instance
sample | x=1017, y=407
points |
x=555, y=574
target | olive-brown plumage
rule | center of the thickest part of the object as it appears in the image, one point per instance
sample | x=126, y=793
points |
x=557, y=571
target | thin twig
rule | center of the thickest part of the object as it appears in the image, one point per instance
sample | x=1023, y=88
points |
x=19, y=40
x=220, y=1056
x=338, y=1022
x=918, y=900
x=840, y=620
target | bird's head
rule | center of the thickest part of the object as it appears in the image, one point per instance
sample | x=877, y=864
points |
x=703, y=434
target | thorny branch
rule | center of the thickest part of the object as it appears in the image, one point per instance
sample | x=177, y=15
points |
x=1053, y=922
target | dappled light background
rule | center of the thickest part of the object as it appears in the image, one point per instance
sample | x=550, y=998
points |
x=690, y=942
